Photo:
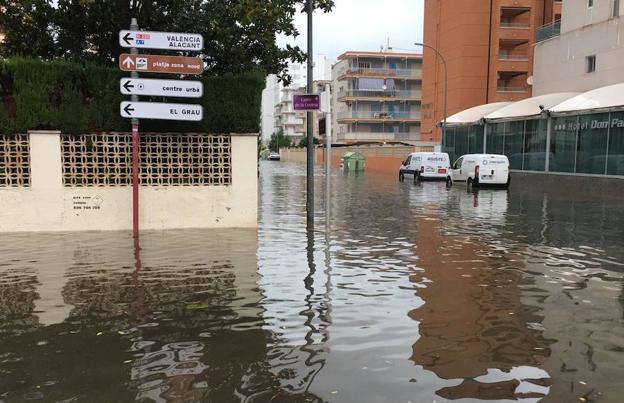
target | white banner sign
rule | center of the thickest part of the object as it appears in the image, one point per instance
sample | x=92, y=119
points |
x=163, y=88
x=161, y=40
x=156, y=110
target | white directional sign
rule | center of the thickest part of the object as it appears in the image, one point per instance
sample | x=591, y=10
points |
x=163, y=88
x=161, y=40
x=155, y=110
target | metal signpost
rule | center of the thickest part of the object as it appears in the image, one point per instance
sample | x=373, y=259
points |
x=135, y=86
x=162, y=88
x=161, y=64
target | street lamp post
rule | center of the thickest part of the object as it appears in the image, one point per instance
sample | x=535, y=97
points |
x=445, y=86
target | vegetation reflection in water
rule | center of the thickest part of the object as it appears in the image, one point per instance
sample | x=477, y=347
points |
x=416, y=293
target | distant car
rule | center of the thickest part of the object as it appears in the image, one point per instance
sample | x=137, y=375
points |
x=427, y=165
x=479, y=170
x=274, y=157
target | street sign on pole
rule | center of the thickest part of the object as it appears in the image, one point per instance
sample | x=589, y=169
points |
x=308, y=102
x=161, y=64
x=161, y=40
x=163, y=88
x=163, y=111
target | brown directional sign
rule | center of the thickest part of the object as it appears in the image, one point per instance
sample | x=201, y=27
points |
x=161, y=64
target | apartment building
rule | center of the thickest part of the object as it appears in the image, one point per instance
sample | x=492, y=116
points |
x=293, y=123
x=376, y=97
x=582, y=51
x=277, y=110
x=488, y=48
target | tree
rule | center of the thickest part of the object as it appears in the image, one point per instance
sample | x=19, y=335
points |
x=239, y=35
x=279, y=140
x=303, y=143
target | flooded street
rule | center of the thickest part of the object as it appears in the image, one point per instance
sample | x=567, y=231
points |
x=411, y=294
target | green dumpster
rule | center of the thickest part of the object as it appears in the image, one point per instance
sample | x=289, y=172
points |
x=352, y=161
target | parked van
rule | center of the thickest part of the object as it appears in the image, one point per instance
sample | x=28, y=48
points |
x=480, y=170
x=425, y=166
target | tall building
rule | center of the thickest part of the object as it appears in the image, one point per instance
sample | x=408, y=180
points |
x=292, y=122
x=376, y=97
x=488, y=47
x=584, y=50
x=277, y=99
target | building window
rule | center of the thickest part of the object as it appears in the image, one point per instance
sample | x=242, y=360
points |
x=364, y=65
x=616, y=8
x=590, y=64
x=590, y=3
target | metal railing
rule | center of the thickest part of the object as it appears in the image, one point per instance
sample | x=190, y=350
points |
x=382, y=116
x=381, y=72
x=511, y=89
x=548, y=31
x=380, y=94
x=379, y=136
x=514, y=24
x=519, y=58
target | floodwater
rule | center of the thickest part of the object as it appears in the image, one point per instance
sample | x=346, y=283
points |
x=406, y=294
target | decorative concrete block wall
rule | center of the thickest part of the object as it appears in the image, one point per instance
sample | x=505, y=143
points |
x=55, y=182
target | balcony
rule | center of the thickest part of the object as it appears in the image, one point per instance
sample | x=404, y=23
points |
x=517, y=58
x=400, y=74
x=380, y=95
x=354, y=137
x=378, y=117
x=548, y=31
x=520, y=89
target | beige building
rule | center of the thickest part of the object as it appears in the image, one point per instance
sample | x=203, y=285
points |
x=293, y=123
x=583, y=51
x=376, y=97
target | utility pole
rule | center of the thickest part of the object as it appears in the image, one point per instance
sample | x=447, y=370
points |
x=310, y=124
x=134, y=26
x=328, y=154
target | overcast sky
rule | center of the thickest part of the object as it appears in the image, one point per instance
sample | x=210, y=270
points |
x=362, y=25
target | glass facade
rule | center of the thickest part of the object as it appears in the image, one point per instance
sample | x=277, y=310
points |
x=583, y=144
x=460, y=140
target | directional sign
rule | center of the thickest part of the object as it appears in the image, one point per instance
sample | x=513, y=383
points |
x=161, y=40
x=155, y=110
x=163, y=88
x=161, y=64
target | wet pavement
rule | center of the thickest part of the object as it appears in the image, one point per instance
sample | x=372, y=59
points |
x=410, y=294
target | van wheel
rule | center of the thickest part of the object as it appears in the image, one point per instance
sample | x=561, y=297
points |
x=401, y=177
x=416, y=179
x=475, y=184
x=449, y=182
x=469, y=184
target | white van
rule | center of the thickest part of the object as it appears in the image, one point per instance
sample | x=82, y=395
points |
x=425, y=166
x=480, y=170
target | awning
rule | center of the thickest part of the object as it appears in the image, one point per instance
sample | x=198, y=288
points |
x=608, y=97
x=530, y=107
x=475, y=114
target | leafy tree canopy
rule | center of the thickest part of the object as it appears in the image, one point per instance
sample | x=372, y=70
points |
x=280, y=140
x=239, y=35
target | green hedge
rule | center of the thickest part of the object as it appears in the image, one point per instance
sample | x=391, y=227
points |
x=84, y=98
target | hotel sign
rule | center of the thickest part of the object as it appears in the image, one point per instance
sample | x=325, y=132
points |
x=595, y=124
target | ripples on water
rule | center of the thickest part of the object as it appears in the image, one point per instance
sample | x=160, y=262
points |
x=416, y=294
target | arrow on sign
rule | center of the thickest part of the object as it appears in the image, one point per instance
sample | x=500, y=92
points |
x=127, y=38
x=128, y=62
x=129, y=109
x=128, y=86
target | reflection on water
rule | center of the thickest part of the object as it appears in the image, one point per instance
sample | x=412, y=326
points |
x=416, y=294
